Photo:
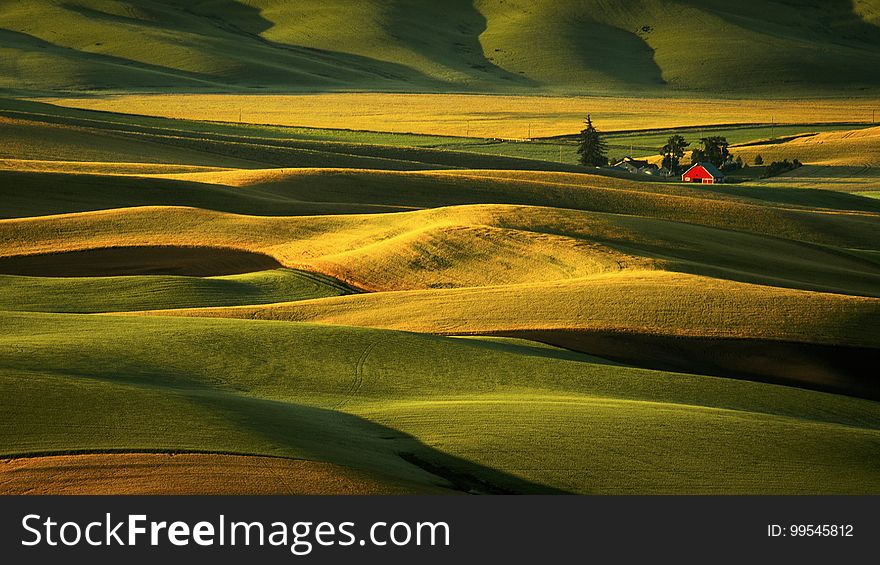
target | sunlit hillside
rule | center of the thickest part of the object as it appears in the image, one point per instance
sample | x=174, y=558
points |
x=491, y=45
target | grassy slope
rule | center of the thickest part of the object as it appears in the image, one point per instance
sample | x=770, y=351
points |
x=209, y=391
x=652, y=302
x=67, y=192
x=481, y=245
x=605, y=43
x=335, y=191
x=23, y=139
x=108, y=294
x=99, y=44
x=847, y=160
x=753, y=192
x=546, y=188
x=487, y=44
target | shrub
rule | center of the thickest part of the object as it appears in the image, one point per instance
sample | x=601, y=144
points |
x=779, y=167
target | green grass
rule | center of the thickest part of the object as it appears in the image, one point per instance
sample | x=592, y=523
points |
x=43, y=132
x=755, y=47
x=118, y=294
x=359, y=397
x=816, y=47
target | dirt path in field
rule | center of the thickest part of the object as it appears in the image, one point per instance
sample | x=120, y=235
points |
x=191, y=473
x=138, y=260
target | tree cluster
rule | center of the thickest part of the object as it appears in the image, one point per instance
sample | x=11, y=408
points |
x=714, y=150
x=672, y=152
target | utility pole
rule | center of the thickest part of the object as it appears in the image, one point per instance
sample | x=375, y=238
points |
x=239, y=115
x=468, y=129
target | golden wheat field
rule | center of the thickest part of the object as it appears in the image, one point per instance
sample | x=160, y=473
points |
x=488, y=116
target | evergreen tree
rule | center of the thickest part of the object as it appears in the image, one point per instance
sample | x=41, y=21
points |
x=591, y=146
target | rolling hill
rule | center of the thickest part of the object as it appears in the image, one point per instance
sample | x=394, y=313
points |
x=467, y=45
x=847, y=160
x=147, y=292
x=206, y=305
x=469, y=415
x=453, y=246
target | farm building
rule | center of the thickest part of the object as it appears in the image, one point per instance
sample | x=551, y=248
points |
x=636, y=166
x=703, y=173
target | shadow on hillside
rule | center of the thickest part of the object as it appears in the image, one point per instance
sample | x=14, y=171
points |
x=809, y=197
x=304, y=66
x=254, y=426
x=64, y=193
x=139, y=260
x=845, y=178
x=828, y=368
x=455, y=43
x=247, y=22
x=107, y=70
x=617, y=54
x=341, y=438
x=816, y=44
x=836, y=20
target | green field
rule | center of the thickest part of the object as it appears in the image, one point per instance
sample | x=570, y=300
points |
x=117, y=294
x=348, y=246
x=551, y=45
x=359, y=397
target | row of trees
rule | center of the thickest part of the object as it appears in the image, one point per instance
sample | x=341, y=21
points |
x=592, y=150
x=713, y=149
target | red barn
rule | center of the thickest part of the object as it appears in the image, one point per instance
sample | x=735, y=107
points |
x=703, y=173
